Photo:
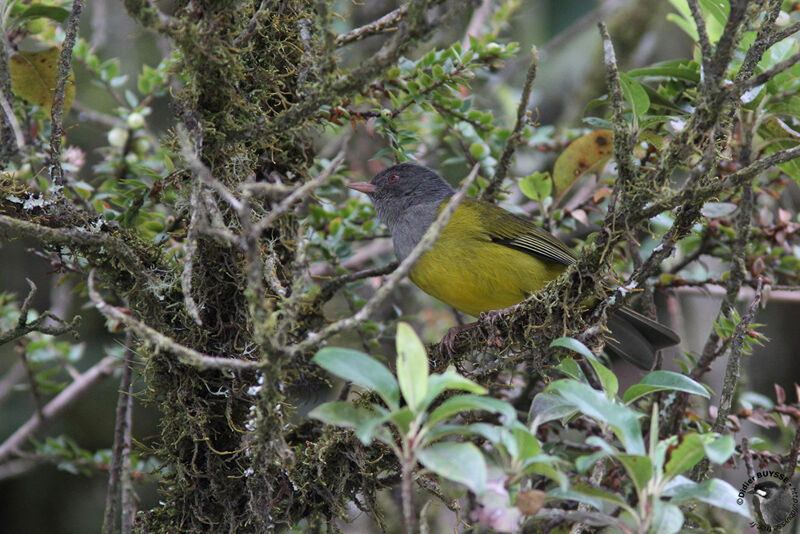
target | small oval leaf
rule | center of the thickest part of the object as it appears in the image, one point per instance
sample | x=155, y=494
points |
x=361, y=369
x=459, y=462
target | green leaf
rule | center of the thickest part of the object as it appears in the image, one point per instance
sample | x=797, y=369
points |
x=574, y=345
x=661, y=381
x=719, y=449
x=342, y=413
x=545, y=469
x=536, y=186
x=59, y=14
x=463, y=403
x=680, y=70
x=569, y=367
x=460, y=462
x=374, y=428
x=360, y=369
x=623, y=421
x=635, y=95
x=477, y=150
x=412, y=366
x=527, y=444
x=548, y=407
x=689, y=451
x=667, y=518
x=714, y=492
x=450, y=379
x=640, y=468
x=595, y=497
x=402, y=419
x=607, y=378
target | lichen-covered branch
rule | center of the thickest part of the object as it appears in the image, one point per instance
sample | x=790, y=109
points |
x=57, y=110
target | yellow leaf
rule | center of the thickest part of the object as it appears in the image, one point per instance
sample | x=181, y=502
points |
x=587, y=153
x=33, y=78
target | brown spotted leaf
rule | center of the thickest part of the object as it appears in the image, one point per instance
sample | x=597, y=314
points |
x=587, y=153
x=33, y=78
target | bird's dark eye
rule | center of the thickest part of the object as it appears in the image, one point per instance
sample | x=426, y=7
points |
x=392, y=178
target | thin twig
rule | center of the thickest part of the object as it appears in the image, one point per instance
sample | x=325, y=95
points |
x=299, y=193
x=331, y=286
x=128, y=496
x=706, y=53
x=523, y=118
x=377, y=26
x=118, y=451
x=794, y=451
x=11, y=119
x=57, y=109
x=102, y=243
x=313, y=340
x=623, y=140
x=38, y=325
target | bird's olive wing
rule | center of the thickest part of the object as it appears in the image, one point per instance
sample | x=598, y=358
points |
x=505, y=228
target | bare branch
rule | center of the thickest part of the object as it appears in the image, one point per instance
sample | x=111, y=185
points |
x=119, y=452
x=61, y=401
x=331, y=286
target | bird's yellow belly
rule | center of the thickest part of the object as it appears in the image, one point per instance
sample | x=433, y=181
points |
x=475, y=275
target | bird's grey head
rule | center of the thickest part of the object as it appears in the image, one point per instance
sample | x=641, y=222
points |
x=767, y=490
x=395, y=190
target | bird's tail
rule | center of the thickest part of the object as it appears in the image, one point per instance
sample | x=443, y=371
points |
x=637, y=338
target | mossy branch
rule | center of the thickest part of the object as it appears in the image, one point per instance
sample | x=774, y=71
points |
x=160, y=341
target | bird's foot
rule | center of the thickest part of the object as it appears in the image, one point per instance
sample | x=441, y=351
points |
x=446, y=345
x=494, y=334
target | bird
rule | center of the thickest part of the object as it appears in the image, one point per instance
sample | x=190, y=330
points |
x=486, y=258
x=774, y=500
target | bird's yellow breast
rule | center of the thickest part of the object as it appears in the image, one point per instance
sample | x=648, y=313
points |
x=468, y=271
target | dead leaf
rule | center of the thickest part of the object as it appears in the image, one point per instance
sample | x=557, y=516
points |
x=586, y=154
x=531, y=501
x=33, y=78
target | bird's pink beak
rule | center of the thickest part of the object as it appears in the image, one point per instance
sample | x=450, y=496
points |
x=364, y=187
